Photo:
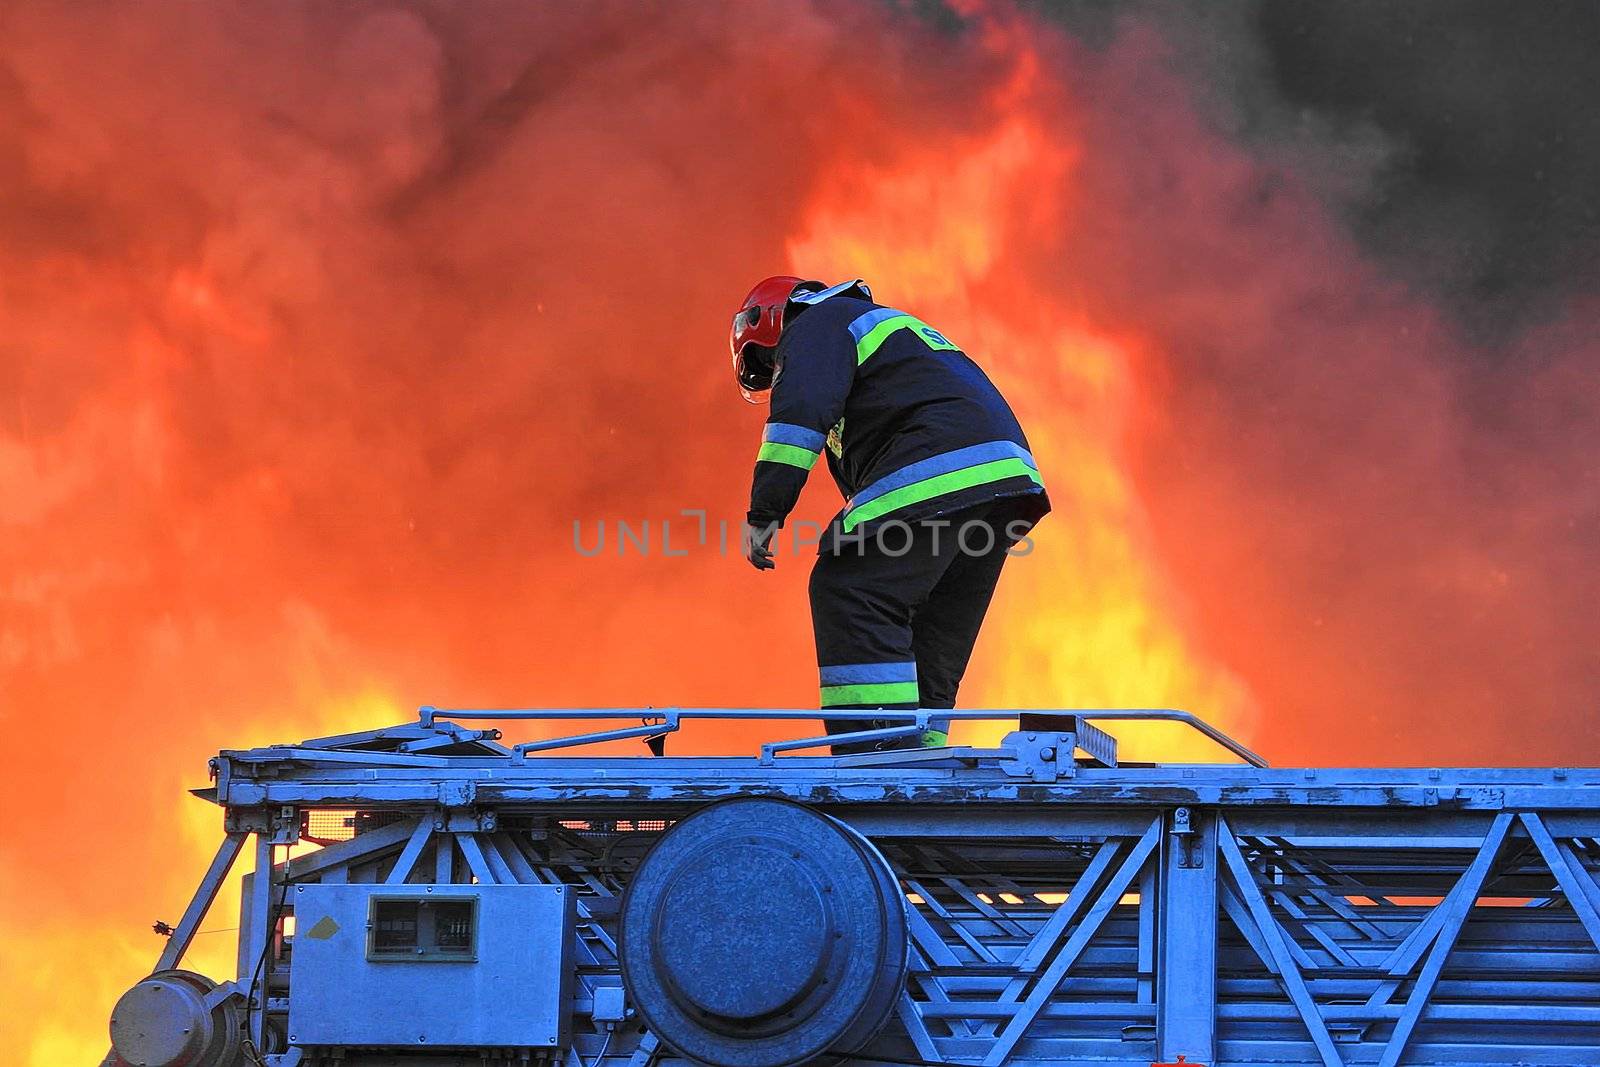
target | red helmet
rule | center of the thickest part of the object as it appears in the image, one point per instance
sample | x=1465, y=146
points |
x=754, y=338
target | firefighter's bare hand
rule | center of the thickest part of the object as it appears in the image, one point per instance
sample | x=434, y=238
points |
x=756, y=544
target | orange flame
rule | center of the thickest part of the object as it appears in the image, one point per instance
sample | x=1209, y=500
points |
x=1087, y=620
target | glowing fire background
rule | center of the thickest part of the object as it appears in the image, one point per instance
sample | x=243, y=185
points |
x=321, y=325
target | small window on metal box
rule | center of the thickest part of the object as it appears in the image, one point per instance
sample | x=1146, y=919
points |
x=394, y=926
x=423, y=928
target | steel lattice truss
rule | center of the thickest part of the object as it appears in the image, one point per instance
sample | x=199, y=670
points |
x=1060, y=912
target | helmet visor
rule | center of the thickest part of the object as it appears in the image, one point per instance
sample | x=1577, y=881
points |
x=756, y=368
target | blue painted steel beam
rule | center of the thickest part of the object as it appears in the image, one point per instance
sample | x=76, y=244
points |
x=1186, y=977
x=1454, y=910
x=1243, y=883
x=256, y=937
x=204, y=895
x=1051, y=980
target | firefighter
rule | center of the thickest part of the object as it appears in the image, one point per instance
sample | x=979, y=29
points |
x=938, y=482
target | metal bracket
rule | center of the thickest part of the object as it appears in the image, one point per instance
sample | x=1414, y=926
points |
x=1046, y=747
x=1037, y=755
x=465, y=821
x=279, y=825
x=1184, y=839
x=222, y=994
x=1098, y=746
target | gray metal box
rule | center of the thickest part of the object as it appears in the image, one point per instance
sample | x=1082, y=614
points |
x=486, y=966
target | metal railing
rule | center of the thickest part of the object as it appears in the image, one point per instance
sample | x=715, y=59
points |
x=659, y=721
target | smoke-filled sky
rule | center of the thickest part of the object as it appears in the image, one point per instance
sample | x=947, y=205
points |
x=320, y=325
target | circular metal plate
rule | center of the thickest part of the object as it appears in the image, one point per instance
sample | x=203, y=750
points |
x=161, y=1022
x=780, y=908
x=759, y=933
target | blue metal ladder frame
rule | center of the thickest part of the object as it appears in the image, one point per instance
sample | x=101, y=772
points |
x=1065, y=909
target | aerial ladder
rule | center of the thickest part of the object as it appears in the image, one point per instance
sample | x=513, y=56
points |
x=425, y=895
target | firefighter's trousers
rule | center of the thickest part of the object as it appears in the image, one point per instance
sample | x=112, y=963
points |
x=896, y=613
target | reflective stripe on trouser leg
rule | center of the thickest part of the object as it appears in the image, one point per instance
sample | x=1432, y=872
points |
x=869, y=685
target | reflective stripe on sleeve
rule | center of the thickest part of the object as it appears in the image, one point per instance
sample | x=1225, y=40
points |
x=787, y=433
x=789, y=455
x=791, y=445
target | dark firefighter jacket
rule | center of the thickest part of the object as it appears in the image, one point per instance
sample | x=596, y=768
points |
x=911, y=426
